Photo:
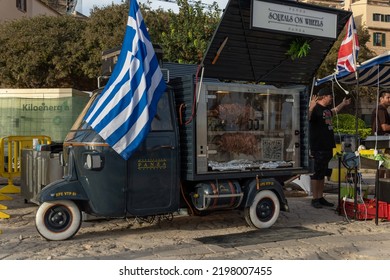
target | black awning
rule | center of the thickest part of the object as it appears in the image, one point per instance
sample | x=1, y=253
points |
x=239, y=52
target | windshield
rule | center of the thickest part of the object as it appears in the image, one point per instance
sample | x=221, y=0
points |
x=81, y=131
x=80, y=120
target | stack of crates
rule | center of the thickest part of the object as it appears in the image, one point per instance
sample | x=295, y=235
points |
x=366, y=210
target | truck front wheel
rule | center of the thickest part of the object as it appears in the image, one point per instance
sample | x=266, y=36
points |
x=58, y=220
x=264, y=210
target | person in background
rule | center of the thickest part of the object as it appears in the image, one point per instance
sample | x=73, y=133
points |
x=380, y=122
x=322, y=141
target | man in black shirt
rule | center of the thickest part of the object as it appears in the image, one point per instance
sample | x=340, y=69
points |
x=322, y=141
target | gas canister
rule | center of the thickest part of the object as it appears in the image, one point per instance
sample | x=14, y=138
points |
x=220, y=194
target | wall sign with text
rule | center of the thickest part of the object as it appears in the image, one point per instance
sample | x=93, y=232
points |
x=293, y=19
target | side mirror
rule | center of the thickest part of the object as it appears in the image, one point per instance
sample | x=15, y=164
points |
x=61, y=159
x=93, y=161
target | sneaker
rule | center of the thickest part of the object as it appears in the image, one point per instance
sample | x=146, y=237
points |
x=316, y=203
x=324, y=202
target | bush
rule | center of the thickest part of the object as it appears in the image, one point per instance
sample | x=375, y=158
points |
x=345, y=124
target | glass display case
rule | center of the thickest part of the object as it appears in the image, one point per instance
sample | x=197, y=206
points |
x=246, y=127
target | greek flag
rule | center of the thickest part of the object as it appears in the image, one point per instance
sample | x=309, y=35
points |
x=123, y=112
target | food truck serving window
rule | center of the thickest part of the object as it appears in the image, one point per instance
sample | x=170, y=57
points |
x=248, y=125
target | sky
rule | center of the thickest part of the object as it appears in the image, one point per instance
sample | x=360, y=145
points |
x=84, y=6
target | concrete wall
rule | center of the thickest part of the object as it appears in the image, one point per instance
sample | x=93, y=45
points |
x=9, y=11
x=363, y=12
x=49, y=112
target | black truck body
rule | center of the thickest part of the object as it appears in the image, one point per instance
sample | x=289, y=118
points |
x=227, y=134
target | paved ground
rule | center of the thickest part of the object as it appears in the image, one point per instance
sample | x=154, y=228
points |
x=301, y=234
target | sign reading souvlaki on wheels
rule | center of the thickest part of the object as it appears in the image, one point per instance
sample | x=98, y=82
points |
x=293, y=19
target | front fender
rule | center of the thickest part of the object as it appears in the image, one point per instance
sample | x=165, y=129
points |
x=62, y=190
x=252, y=188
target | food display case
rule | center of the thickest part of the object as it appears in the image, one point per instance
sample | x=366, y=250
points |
x=245, y=126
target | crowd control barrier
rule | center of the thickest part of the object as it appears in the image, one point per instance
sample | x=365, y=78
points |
x=2, y=214
x=11, y=157
x=3, y=207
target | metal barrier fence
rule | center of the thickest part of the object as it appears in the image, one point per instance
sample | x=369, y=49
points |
x=2, y=214
x=11, y=157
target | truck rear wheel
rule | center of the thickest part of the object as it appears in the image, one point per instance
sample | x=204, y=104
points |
x=264, y=210
x=58, y=220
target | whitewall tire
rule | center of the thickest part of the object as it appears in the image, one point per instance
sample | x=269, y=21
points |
x=58, y=220
x=264, y=210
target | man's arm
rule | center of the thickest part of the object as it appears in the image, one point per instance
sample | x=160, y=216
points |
x=382, y=120
x=385, y=127
x=341, y=105
x=312, y=104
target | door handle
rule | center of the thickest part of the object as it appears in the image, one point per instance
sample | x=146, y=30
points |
x=167, y=147
x=161, y=147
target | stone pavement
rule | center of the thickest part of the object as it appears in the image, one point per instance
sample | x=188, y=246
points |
x=304, y=233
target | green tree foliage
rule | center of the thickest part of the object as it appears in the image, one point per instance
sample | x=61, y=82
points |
x=105, y=30
x=67, y=52
x=157, y=22
x=189, y=32
x=183, y=36
x=43, y=52
x=346, y=124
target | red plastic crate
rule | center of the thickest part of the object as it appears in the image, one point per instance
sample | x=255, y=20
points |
x=366, y=210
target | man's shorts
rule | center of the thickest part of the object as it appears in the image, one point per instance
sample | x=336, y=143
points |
x=321, y=161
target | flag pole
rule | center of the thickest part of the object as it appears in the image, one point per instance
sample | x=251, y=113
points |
x=354, y=55
x=356, y=142
x=354, y=49
x=356, y=109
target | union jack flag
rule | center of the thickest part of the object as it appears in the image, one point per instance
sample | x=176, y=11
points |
x=349, y=49
x=123, y=112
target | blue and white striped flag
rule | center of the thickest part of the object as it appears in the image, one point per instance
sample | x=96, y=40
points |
x=123, y=112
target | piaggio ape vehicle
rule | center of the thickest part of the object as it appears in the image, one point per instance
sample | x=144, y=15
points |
x=214, y=144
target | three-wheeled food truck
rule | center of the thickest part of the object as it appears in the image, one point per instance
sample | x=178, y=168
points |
x=214, y=144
